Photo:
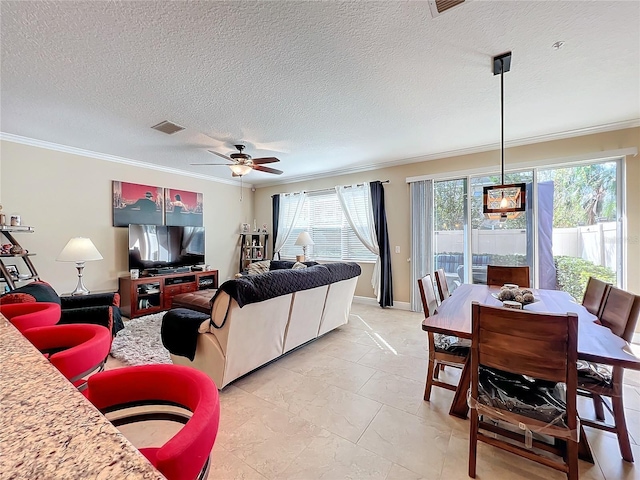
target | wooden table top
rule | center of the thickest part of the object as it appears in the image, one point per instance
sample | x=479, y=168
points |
x=49, y=429
x=595, y=342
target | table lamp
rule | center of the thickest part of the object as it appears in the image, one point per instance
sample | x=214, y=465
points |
x=79, y=250
x=304, y=239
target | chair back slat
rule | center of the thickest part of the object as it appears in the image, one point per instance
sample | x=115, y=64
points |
x=527, y=343
x=620, y=312
x=595, y=295
x=441, y=282
x=499, y=275
x=428, y=295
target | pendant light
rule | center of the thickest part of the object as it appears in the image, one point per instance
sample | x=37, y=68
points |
x=503, y=201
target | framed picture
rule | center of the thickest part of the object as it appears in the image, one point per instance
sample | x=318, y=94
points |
x=137, y=203
x=182, y=208
x=245, y=228
x=13, y=270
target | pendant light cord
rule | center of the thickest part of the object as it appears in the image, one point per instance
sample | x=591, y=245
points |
x=502, y=117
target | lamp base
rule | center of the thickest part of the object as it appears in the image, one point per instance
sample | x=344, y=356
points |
x=300, y=258
x=81, y=289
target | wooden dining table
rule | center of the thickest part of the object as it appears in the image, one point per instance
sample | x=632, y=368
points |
x=596, y=343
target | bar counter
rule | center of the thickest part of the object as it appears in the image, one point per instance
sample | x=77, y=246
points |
x=49, y=430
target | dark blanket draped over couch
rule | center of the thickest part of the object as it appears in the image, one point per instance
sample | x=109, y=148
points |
x=99, y=308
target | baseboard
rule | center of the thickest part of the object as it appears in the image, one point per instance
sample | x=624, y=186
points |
x=373, y=302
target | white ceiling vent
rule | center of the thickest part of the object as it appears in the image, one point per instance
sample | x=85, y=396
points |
x=168, y=127
x=438, y=7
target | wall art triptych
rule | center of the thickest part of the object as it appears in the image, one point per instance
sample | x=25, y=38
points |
x=149, y=205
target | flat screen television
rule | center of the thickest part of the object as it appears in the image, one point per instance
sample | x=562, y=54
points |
x=161, y=246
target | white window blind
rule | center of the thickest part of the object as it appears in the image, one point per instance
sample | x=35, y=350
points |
x=334, y=238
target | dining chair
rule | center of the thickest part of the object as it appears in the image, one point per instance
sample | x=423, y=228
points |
x=443, y=349
x=527, y=356
x=499, y=275
x=620, y=314
x=595, y=295
x=441, y=282
x=186, y=455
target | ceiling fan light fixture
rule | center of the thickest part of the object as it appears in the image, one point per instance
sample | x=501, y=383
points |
x=503, y=201
x=240, y=169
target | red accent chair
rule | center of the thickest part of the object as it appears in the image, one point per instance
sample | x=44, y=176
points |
x=186, y=455
x=76, y=350
x=28, y=315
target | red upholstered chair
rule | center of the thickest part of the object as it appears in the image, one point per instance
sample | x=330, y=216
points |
x=186, y=455
x=75, y=350
x=28, y=315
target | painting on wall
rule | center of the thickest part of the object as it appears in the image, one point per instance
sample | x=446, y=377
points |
x=182, y=208
x=138, y=204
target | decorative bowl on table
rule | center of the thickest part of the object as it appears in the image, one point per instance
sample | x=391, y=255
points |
x=523, y=296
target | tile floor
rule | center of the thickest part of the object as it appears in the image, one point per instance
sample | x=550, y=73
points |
x=349, y=406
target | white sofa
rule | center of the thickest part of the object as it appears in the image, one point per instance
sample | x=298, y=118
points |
x=238, y=340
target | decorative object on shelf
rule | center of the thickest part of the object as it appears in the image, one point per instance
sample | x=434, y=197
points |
x=135, y=273
x=245, y=228
x=304, y=239
x=255, y=226
x=264, y=228
x=137, y=204
x=503, y=201
x=13, y=270
x=3, y=218
x=16, y=250
x=15, y=220
x=183, y=208
x=79, y=250
x=5, y=249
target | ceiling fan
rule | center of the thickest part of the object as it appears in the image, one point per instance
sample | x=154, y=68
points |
x=242, y=163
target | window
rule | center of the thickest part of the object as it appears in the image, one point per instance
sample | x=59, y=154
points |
x=334, y=238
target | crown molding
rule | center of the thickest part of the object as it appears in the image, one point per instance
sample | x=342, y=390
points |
x=463, y=151
x=9, y=137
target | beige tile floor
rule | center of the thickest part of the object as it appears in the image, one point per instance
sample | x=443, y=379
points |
x=349, y=406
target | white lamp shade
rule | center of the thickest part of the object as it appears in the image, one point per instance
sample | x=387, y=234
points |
x=240, y=169
x=304, y=239
x=79, y=249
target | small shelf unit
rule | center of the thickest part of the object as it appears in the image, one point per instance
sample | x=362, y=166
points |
x=25, y=274
x=253, y=248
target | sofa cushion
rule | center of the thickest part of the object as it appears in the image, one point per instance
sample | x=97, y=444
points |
x=31, y=292
x=257, y=268
x=298, y=265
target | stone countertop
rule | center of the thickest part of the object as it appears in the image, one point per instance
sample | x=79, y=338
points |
x=49, y=430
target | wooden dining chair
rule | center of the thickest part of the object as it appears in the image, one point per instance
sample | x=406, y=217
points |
x=441, y=282
x=443, y=349
x=595, y=295
x=510, y=344
x=620, y=314
x=498, y=275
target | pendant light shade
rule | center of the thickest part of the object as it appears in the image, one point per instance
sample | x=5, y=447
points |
x=503, y=201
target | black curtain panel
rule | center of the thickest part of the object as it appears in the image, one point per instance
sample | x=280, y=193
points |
x=380, y=220
x=275, y=211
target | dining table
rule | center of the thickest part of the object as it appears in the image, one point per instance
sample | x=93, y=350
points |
x=596, y=343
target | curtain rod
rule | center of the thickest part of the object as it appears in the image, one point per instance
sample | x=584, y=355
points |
x=332, y=188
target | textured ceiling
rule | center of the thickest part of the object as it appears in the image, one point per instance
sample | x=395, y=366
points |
x=324, y=86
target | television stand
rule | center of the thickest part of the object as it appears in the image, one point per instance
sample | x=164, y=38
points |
x=152, y=294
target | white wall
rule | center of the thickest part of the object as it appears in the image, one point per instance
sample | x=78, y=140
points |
x=64, y=195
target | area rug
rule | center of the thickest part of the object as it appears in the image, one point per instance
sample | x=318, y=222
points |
x=140, y=343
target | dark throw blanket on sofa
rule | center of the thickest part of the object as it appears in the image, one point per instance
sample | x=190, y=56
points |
x=275, y=283
x=179, y=331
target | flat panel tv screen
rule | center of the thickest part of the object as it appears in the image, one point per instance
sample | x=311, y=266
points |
x=161, y=246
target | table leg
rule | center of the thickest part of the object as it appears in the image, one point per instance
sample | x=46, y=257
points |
x=459, y=407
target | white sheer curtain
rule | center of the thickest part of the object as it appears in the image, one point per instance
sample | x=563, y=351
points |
x=290, y=208
x=355, y=201
x=421, y=234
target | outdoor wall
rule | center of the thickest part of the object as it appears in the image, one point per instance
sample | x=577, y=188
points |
x=397, y=195
x=64, y=195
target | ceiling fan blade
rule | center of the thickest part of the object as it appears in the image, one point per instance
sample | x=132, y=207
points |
x=260, y=161
x=267, y=170
x=220, y=155
x=210, y=164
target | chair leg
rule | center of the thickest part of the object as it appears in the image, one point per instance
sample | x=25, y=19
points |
x=597, y=406
x=442, y=365
x=621, y=428
x=473, y=443
x=427, y=388
x=436, y=370
x=572, y=460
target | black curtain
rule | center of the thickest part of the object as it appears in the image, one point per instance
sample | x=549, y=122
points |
x=382, y=234
x=275, y=212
